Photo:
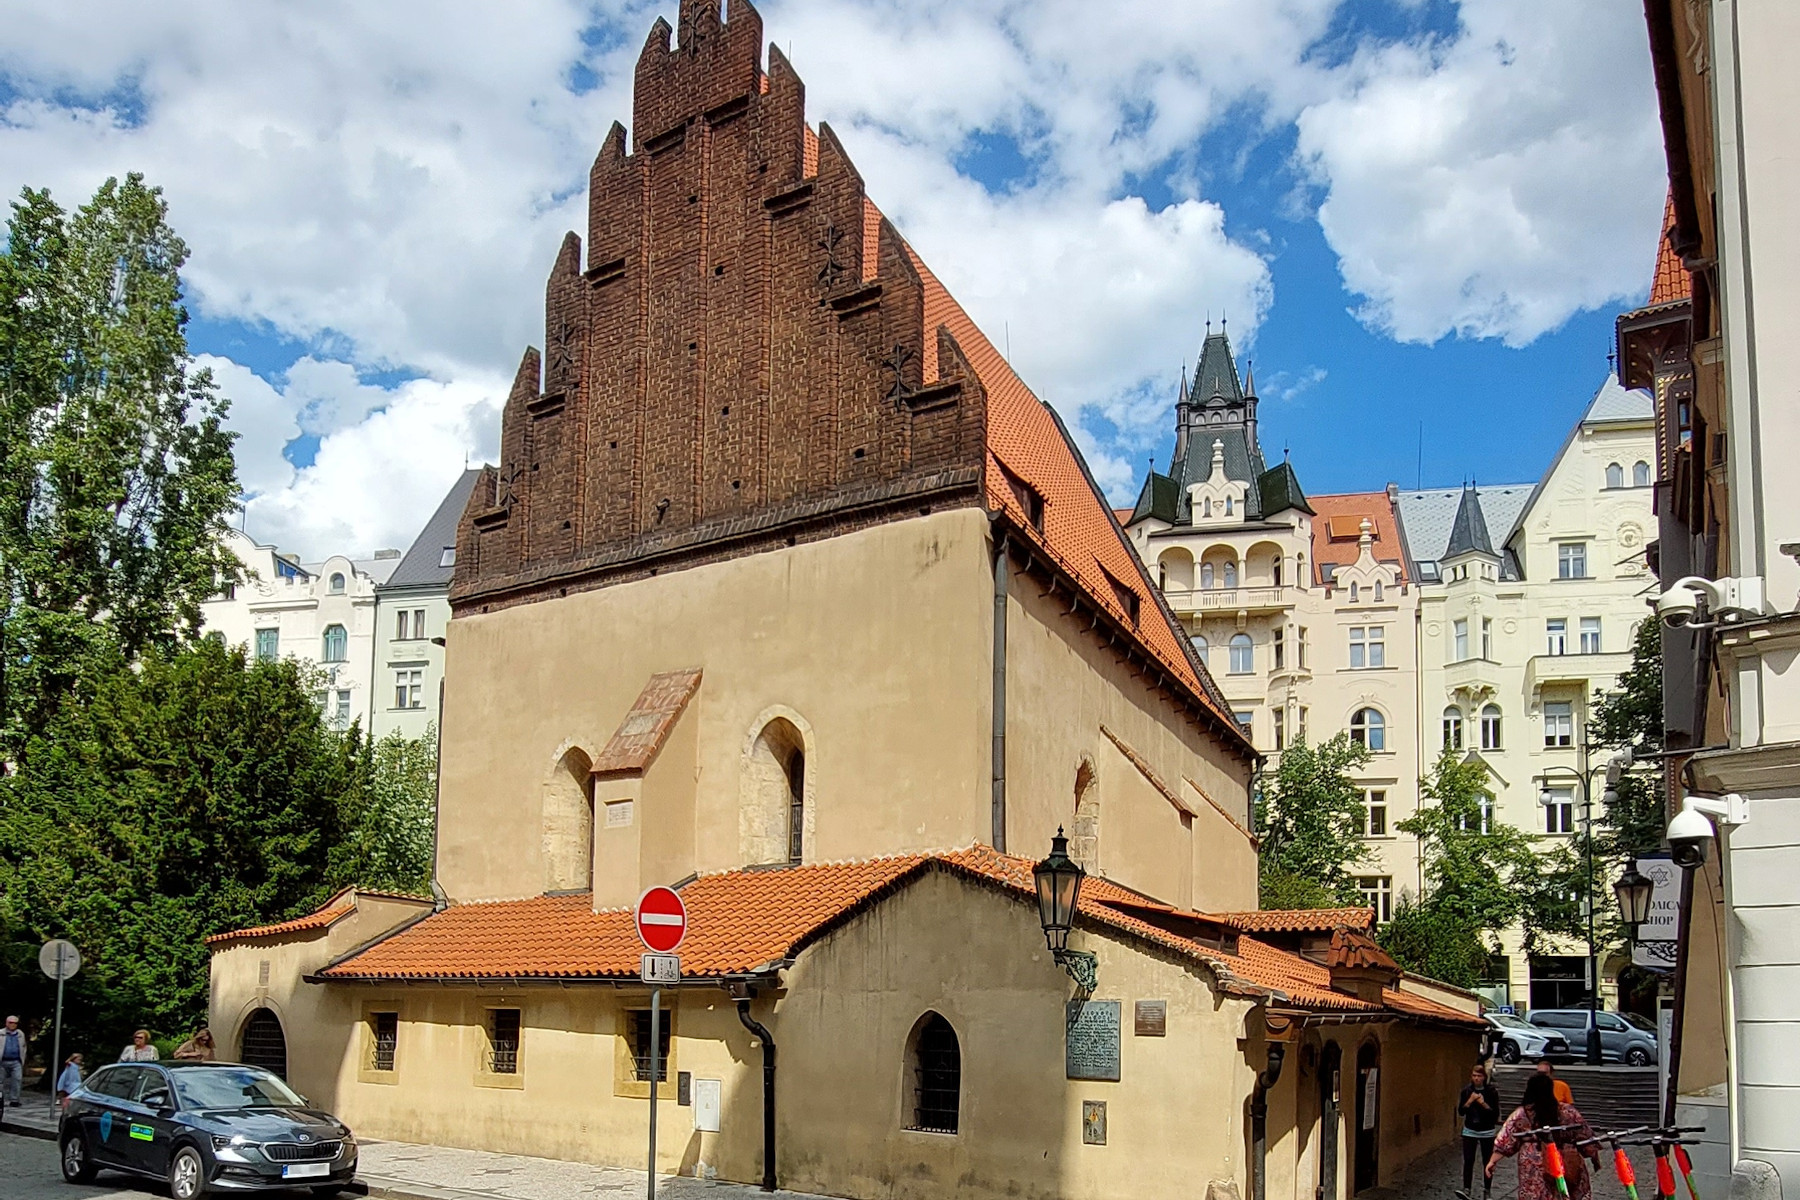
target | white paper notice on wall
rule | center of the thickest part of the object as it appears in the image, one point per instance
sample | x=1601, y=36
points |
x=618, y=814
x=1368, y=1104
x=706, y=1105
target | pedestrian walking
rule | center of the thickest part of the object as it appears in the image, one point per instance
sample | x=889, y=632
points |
x=140, y=1050
x=12, y=1062
x=69, y=1080
x=1548, y=1070
x=1478, y=1107
x=198, y=1048
x=1538, y=1154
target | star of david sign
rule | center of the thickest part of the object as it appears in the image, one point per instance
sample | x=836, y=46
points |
x=828, y=274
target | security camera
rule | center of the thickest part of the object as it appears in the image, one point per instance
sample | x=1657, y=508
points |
x=1691, y=832
x=1724, y=600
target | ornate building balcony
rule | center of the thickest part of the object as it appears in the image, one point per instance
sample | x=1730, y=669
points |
x=1239, y=599
x=1474, y=679
x=1587, y=670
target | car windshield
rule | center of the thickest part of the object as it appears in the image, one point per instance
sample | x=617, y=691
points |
x=233, y=1087
x=1508, y=1020
x=1641, y=1021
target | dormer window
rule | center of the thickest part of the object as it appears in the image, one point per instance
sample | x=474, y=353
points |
x=337, y=584
x=1127, y=598
x=1029, y=499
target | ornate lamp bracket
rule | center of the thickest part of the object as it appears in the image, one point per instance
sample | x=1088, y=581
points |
x=1082, y=967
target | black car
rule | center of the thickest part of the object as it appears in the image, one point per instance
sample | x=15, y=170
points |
x=203, y=1127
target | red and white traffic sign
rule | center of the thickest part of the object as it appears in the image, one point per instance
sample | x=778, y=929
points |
x=661, y=919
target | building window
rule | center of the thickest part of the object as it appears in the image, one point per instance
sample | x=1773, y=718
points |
x=1556, y=636
x=503, y=1041
x=384, y=1036
x=1559, y=723
x=639, y=1019
x=1278, y=646
x=409, y=689
x=268, y=645
x=1230, y=575
x=1378, y=893
x=1590, y=635
x=337, y=645
x=1487, y=638
x=936, y=1062
x=1615, y=475
x=1571, y=560
x=1243, y=654
x=448, y=557
x=1279, y=717
x=402, y=623
x=1246, y=721
x=1369, y=728
x=1275, y=570
x=1355, y=592
x=1200, y=649
x=1300, y=725
x=1378, y=591
x=1453, y=728
x=1484, y=815
x=796, y=778
x=340, y=716
x=1300, y=647
x=1367, y=648
x=1459, y=640
x=337, y=583
x=1640, y=474
x=1490, y=727
x=1375, y=808
x=1206, y=575
x=1559, y=814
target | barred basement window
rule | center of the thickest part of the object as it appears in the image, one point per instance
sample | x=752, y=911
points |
x=503, y=1041
x=385, y=1028
x=640, y=1046
x=936, y=1063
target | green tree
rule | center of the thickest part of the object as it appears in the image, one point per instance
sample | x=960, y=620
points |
x=397, y=831
x=116, y=473
x=196, y=793
x=1310, y=819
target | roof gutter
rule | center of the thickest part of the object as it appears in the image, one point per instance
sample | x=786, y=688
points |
x=1002, y=569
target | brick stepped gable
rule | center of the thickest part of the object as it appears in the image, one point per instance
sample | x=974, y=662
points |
x=740, y=363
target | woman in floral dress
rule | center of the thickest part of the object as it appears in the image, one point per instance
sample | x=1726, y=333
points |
x=1540, y=1109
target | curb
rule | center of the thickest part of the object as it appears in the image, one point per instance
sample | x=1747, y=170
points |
x=30, y=1131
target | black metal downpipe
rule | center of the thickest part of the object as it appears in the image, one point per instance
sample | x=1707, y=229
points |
x=1259, y=1122
x=768, y=1051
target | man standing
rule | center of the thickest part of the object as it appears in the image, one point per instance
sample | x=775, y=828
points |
x=1563, y=1095
x=12, y=1061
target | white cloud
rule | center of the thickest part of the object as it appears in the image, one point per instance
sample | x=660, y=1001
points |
x=1494, y=185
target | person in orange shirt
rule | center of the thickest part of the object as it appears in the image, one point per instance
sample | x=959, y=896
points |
x=1563, y=1094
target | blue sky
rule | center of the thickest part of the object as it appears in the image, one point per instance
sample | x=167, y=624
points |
x=1419, y=216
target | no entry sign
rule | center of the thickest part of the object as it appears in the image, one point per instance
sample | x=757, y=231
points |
x=661, y=919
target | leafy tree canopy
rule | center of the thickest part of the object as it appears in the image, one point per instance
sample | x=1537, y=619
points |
x=1310, y=818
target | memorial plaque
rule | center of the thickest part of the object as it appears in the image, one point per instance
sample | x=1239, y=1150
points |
x=1150, y=1018
x=1093, y=1122
x=1092, y=1050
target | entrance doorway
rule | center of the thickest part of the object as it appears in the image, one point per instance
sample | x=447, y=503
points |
x=1331, y=1069
x=1558, y=981
x=263, y=1044
x=1368, y=1115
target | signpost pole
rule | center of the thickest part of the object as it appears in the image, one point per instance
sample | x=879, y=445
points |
x=56, y=1039
x=655, y=1076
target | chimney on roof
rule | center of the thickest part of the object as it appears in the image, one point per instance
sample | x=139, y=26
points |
x=1359, y=966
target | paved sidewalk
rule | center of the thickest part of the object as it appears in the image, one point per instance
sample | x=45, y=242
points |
x=34, y=1116
x=402, y=1171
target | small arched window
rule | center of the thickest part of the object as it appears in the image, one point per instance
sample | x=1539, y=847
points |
x=1369, y=728
x=934, y=1062
x=1228, y=506
x=1490, y=727
x=336, y=647
x=337, y=583
x=1243, y=654
x=1206, y=507
x=1453, y=728
x=1200, y=648
x=1640, y=474
x=1378, y=591
x=1615, y=475
x=1275, y=571
x=1355, y=592
x=1230, y=575
x=1206, y=575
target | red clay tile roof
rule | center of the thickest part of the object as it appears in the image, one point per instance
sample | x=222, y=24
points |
x=1336, y=531
x=1080, y=532
x=323, y=917
x=635, y=743
x=1123, y=515
x=1299, y=920
x=747, y=921
x=1670, y=281
x=1355, y=949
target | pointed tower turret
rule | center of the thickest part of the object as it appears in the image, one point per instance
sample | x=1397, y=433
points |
x=1469, y=533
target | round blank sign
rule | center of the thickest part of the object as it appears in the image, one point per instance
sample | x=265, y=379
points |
x=59, y=959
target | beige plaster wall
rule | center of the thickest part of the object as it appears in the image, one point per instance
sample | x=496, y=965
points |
x=1062, y=685
x=879, y=640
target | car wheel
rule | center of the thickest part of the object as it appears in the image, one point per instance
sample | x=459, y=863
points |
x=77, y=1165
x=187, y=1174
x=1509, y=1052
x=1637, y=1056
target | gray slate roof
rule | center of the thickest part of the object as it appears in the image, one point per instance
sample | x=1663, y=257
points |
x=1427, y=518
x=1469, y=532
x=1615, y=403
x=421, y=565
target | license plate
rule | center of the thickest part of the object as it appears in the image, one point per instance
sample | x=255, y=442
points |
x=305, y=1170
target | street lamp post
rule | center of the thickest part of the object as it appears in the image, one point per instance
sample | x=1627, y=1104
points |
x=1634, y=891
x=1058, y=879
x=1615, y=767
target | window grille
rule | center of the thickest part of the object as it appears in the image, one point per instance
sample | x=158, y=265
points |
x=503, y=1041
x=640, y=1046
x=385, y=1028
x=937, y=1077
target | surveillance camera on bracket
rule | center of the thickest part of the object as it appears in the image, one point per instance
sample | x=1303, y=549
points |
x=1690, y=600
x=1691, y=832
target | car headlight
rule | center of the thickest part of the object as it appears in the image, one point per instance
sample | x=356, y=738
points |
x=231, y=1149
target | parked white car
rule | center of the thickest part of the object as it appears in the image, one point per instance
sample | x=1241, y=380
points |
x=1514, y=1038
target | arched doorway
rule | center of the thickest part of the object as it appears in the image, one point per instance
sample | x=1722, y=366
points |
x=262, y=1043
x=1368, y=1116
x=1331, y=1067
